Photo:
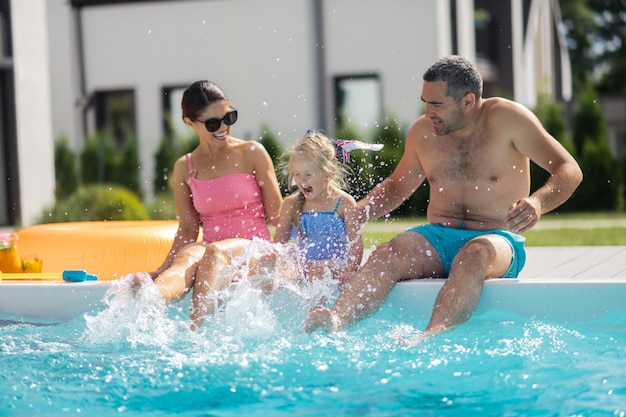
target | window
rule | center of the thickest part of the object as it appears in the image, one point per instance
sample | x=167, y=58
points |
x=358, y=101
x=173, y=124
x=115, y=115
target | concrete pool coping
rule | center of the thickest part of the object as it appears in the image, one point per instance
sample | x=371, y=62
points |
x=590, y=279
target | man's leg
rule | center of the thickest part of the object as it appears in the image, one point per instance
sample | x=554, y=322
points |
x=487, y=256
x=407, y=256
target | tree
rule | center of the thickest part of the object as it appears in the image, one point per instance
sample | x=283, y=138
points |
x=596, y=38
x=589, y=121
x=611, y=21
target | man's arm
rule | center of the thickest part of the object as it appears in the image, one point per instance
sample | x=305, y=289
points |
x=399, y=186
x=540, y=147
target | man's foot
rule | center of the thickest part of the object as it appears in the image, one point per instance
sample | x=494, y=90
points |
x=414, y=340
x=321, y=317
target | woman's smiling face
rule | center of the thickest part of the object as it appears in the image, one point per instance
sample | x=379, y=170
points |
x=215, y=110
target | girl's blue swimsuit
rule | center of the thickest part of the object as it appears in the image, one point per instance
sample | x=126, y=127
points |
x=322, y=235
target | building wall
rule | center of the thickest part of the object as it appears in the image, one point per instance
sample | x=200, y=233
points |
x=394, y=39
x=263, y=54
x=32, y=103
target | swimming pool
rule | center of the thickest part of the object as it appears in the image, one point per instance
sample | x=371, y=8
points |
x=136, y=357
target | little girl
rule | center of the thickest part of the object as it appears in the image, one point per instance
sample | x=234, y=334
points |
x=320, y=216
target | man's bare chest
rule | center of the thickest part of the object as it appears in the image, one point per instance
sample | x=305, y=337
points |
x=449, y=161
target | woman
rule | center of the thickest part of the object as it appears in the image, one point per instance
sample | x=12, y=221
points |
x=225, y=184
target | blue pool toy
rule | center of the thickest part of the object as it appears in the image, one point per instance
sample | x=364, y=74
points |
x=78, y=275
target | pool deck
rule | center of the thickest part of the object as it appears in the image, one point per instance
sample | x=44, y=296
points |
x=575, y=263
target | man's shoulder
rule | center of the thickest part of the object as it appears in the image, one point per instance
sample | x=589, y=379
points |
x=501, y=104
x=422, y=127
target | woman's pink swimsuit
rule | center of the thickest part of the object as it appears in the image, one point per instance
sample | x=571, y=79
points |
x=229, y=206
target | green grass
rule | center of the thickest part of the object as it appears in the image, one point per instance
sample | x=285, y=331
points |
x=553, y=230
x=601, y=236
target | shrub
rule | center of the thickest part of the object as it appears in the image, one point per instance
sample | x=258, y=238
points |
x=164, y=157
x=170, y=149
x=589, y=121
x=97, y=159
x=65, y=169
x=270, y=143
x=101, y=163
x=598, y=191
x=126, y=168
x=163, y=207
x=97, y=202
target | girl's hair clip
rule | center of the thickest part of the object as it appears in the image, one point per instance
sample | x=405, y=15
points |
x=344, y=147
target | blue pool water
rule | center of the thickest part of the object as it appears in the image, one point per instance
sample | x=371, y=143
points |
x=136, y=357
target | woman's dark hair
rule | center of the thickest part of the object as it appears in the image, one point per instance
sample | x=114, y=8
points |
x=198, y=96
x=460, y=74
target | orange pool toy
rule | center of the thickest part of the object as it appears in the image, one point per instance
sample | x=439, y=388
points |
x=109, y=249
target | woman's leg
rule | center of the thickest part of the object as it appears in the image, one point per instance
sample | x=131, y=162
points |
x=218, y=255
x=178, y=279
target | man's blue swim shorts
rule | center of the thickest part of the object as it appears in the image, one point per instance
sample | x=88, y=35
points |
x=447, y=241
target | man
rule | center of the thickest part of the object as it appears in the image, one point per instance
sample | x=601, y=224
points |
x=475, y=154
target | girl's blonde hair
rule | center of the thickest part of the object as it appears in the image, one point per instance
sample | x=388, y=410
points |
x=323, y=153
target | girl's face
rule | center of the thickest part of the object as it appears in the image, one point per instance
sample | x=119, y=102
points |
x=312, y=182
x=216, y=110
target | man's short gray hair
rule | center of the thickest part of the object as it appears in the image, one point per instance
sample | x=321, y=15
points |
x=461, y=75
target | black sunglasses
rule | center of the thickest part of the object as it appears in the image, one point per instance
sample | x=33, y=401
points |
x=214, y=124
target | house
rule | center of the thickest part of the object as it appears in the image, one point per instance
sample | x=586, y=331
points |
x=71, y=67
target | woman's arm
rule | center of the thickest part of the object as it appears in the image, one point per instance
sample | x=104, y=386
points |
x=266, y=178
x=285, y=219
x=188, y=218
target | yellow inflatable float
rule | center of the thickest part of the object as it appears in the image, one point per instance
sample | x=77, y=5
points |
x=108, y=249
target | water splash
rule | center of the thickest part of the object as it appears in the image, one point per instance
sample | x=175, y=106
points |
x=258, y=303
x=136, y=314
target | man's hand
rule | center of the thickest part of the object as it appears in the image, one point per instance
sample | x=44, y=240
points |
x=523, y=215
